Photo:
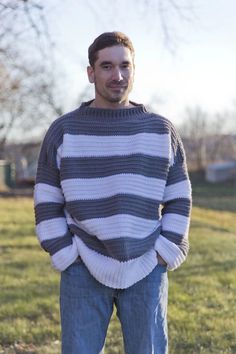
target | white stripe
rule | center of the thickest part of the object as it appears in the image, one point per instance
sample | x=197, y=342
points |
x=117, y=226
x=49, y=229
x=44, y=193
x=113, y=273
x=92, y=145
x=178, y=190
x=175, y=223
x=96, y=188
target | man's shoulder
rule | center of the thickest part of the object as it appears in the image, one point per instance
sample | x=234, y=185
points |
x=161, y=120
x=59, y=127
x=65, y=118
x=168, y=127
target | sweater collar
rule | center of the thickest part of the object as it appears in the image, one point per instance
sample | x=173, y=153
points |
x=113, y=114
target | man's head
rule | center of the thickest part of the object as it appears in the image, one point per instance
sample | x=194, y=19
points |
x=111, y=58
x=108, y=39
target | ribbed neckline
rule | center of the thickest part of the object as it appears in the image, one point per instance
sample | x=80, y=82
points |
x=111, y=114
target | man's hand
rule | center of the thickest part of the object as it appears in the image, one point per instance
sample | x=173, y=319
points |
x=161, y=260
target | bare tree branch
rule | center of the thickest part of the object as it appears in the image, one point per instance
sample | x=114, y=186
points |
x=27, y=83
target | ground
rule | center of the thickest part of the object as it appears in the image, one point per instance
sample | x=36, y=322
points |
x=201, y=294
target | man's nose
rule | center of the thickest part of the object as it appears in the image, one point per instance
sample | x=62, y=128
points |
x=116, y=74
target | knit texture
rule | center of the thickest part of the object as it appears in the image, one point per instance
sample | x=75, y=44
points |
x=112, y=187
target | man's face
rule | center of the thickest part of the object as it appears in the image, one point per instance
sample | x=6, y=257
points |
x=112, y=75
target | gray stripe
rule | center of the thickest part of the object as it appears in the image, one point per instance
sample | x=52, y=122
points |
x=178, y=239
x=119, y=204
x=84, y=167
x=122, y=249
x=53, y=139
x=56, y=244
x=48, y=175
x=47, y=211
x=179, y=206
x=177, y=173
x=89, y=127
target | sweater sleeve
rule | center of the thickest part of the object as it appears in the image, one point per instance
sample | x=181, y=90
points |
x=51, y=225
x=173, y=244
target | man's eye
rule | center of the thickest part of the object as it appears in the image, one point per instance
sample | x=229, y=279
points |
x=125, y=66
x=106, y=67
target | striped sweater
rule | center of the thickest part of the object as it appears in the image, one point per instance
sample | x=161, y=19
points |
x=112, y=187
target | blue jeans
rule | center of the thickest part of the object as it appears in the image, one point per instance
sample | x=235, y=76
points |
x=86, y=308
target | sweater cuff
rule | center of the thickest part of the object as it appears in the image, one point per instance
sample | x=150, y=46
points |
x=65, y=257
x=170, y=252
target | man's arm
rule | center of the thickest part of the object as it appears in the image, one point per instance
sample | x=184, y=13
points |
x=172, y=244
x=51, y=226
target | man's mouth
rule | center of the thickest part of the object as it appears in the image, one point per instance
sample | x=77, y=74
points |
x=117, y=87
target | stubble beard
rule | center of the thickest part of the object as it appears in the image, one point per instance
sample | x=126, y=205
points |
x=115, y=97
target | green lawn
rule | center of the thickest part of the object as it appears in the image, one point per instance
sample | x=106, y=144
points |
x=202, y=296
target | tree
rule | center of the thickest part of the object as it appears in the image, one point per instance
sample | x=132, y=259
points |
x=160, y=16
x=27, y=82
x=195, y=130
x=206, y=137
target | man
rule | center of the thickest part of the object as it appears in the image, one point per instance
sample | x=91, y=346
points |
x=112, y=204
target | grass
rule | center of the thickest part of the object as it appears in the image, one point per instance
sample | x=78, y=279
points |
x=215, y=196
x=202, y=299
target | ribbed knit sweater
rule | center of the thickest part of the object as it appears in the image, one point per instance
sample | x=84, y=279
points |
x=112, y=187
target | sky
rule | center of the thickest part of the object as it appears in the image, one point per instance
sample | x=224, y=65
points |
x=197, y=67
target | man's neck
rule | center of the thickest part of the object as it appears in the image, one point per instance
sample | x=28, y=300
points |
x=111, y=105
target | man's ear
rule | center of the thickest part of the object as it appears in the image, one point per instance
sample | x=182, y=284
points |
x=90, y=73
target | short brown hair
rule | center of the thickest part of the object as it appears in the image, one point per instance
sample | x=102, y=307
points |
x=108, y=39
